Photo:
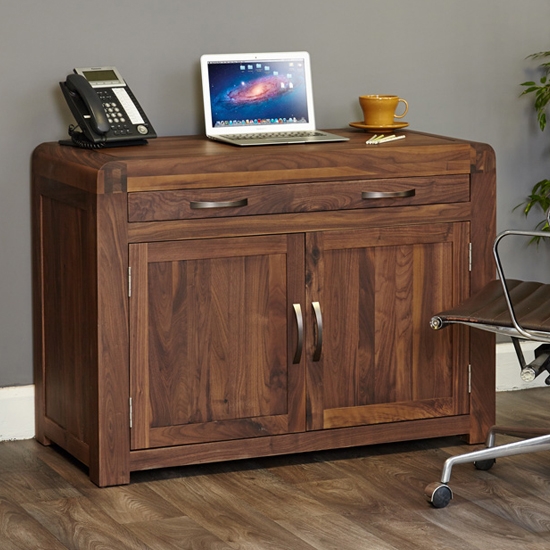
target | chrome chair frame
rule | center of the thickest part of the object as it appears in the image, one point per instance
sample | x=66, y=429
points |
x=536, y=439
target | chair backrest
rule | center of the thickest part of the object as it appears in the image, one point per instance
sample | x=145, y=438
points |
x=519, y=309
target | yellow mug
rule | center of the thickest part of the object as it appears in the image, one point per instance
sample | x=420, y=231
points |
x=379, y=110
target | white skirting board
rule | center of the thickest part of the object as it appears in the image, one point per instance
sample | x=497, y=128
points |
x=16, y=413
x=17, y=403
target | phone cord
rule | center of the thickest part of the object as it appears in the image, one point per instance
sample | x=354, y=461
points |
x=80, y=140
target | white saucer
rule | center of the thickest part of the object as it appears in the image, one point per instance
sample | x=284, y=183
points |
x=387, y=128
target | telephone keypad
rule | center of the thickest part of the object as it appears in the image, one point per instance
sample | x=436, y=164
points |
x=115, y=114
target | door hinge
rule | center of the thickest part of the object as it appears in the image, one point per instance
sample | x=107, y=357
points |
x=469, y=256
x=129, y=282
x=131, y=412
x=470, y=378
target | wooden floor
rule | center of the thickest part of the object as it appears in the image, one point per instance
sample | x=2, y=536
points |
x=367, y=498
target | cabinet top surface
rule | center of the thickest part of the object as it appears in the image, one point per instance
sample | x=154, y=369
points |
x=195, y=161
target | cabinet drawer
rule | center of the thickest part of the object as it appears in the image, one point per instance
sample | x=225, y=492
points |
x=297, y=197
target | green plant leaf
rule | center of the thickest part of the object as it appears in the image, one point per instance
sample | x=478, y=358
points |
x=539, y=198
x=529, y=90
x=538, y=55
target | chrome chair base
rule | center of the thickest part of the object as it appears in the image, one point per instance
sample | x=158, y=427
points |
x=439, y=493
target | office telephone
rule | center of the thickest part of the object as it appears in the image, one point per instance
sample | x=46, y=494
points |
x=105, y=109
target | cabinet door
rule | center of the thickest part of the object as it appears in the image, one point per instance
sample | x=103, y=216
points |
x=376, y=360
x=214, y=336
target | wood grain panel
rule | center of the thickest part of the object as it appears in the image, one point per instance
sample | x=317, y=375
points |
x=139, y=349
x=388, y=412
x=375, y=291
x=215, y=361
x=109, y=462
x=61, y=300
x=173, y=162
x=294, y=223
x=306, y=197
x=481, y=343
x=69, y=352
x=314, y=440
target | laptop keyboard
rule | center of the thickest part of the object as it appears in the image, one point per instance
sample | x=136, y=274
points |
x=274, y=135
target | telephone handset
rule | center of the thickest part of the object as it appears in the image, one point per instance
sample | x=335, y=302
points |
x=105, y=109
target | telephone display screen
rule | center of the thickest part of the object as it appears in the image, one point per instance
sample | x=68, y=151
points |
x=101, y=77
x=94, y=76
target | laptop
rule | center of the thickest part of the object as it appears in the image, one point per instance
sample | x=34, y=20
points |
x=260, y=99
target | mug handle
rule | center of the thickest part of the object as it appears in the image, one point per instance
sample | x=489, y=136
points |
x=406, y=108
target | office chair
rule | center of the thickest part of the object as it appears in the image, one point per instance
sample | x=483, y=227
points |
x=520, y=310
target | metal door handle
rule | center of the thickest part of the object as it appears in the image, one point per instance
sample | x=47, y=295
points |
x=388, y=194
x=218, y=204
x=319, y=332
x=300, y=325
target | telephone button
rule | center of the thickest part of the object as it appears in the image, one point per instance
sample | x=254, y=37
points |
x=142, y=129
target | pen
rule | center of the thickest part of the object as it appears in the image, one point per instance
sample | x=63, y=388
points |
x=376, y=138
x=381, y=139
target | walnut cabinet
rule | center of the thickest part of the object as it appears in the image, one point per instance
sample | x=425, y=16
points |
x=197, y=302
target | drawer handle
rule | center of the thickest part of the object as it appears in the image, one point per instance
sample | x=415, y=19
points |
x=388, y=194
x=218, y=204
x=300, y=325
x=319, y=332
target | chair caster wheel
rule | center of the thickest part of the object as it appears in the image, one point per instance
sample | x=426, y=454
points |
x=438, y=494
x=484, y=464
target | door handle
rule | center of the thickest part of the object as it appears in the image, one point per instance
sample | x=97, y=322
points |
x=300, y=325
x=388, y=194
x=218, y=204
x=319, y=332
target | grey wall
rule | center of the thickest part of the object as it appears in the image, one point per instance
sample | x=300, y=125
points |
x=458, y=63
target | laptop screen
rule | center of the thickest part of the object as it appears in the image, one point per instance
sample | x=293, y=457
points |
x=258, y=92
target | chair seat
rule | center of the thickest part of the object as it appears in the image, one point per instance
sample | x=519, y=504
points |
x=488, y=307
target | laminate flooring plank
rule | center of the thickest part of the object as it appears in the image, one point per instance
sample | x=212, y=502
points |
x=34, y=485
x=483, y=530
x=530, y=476
x=66, y=466
x=132, y=504
x=306, y=517
x=266, y=492
x=226, y=516
x=528, y=511
x=527, y=407
x=404, y=477
x=80, y=525
x=19, y=531
x=299, y=467
x=334, y=532
x=410, y=531
x=382, y=512
x=178, y=533
x=19, y=455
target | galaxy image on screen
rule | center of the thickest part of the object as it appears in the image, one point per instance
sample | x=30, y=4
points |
x=256, y=93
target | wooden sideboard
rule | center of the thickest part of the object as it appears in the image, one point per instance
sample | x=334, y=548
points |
x=198, y=302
